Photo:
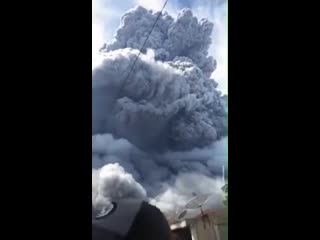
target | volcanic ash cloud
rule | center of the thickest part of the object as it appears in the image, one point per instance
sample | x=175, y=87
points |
x=161, y=133
x=168, y=102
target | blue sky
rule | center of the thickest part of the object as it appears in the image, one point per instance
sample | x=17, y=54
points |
x=107, y=13
x=184, y=3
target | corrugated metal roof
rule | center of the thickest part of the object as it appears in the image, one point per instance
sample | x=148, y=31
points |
x=220, y=216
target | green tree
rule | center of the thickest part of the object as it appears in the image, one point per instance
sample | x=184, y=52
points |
x=225, y=189
x=225, y=202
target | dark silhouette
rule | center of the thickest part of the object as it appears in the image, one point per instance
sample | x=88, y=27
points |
x=130, y=220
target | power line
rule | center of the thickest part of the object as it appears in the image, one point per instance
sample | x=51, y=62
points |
x=134, y=63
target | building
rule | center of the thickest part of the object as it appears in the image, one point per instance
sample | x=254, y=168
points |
x=212, y=225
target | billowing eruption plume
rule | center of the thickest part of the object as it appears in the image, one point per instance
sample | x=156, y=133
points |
x=166, y=104
x=185, y=37
x=166, y=123
x=111, y=182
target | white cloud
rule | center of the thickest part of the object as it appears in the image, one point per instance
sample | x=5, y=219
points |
x=177, y=195
x=97, y=36
x=219, y=48
x=155, y=4
x=106, y=16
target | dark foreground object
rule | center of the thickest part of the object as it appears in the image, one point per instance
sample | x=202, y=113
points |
x=130, y=220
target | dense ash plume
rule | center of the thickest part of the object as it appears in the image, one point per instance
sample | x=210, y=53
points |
x=158, y=131
x=183, y=37
x=169, y=101
x=180, y=192
x=112, y=182
x=163, y=176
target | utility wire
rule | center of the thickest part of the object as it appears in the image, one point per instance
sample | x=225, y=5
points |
x=134, y=63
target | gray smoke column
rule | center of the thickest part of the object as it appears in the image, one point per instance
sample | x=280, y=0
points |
x=112, y=182
x=169, y=101
x=183, y=37
x=161, y=133
x=167, y=179
x=180, y=192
